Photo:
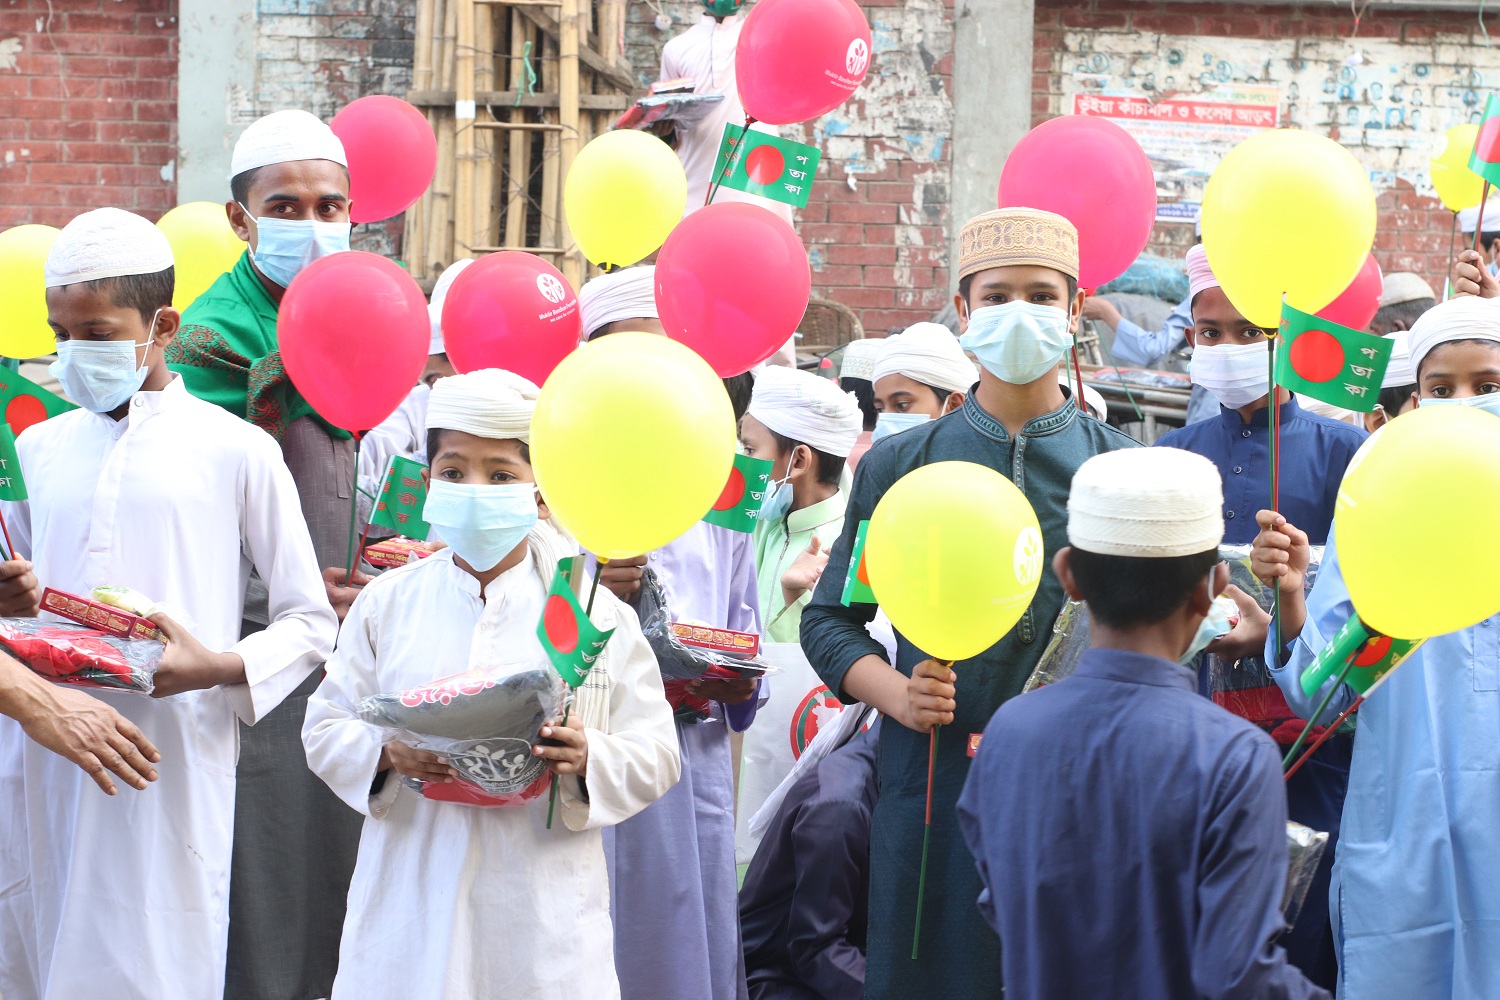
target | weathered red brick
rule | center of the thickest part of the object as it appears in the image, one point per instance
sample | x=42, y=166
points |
x=862, y=213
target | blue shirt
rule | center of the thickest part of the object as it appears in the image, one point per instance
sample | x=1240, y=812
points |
x=1135, y=345
x=1131, y=838
x=1315, y=451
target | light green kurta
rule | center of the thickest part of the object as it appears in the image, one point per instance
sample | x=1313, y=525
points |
x=777, y=545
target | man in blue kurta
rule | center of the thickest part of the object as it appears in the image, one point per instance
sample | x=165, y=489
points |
x=1130, y=834
x=1018, y=303
x=1414, y=895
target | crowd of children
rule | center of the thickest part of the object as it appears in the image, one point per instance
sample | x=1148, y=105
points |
x=1115, y=834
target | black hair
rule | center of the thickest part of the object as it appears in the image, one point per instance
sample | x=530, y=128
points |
x=434, y=439
x=1128, y=591
x=1463, y=340
x=1393, y=398
x=1405, y=313
x=241, y=183
x=145, y=293
x=830, y=467
x=967, y=282
x=864, y=392
x=739, y=388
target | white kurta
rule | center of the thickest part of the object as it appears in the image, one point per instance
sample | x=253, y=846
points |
x=403, y=433
x=127, y=896
x=455, y=902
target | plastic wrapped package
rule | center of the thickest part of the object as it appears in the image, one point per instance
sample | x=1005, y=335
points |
x=75, y=654
x=1070, y=637
x=1305, y=848
x=483, y=724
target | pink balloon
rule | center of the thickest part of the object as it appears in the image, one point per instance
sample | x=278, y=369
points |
x=514, y=311
x=353, y=332
x=799, y=59
x=392, y=155
x=1356, y=305
x=732, y=283
x=1092, y=173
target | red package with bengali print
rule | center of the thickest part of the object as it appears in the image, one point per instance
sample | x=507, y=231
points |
x=392, y=552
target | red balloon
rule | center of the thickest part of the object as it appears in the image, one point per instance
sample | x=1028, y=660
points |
x=799, y=59
x=514, y=311
x=1357, y=304
x=1092, y=173
x=732, y=283
x=392, y=155
x=353, y=331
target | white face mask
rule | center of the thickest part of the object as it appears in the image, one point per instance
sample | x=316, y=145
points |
x=101, y=376
x=481, y=523
x=1236, y=374
x=1489, y=402
x=283, y=247
x=1215, y=624
x=1018, y=342
x=887, y=424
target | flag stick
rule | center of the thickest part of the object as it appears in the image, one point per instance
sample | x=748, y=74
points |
x=1078, y=374
x=932, y=744
x=1452, y=242
x=1479, y=223
x=1328, y=731
x=599, y=565
x=353, y=512
x=1275, y=454
x=10, y=549
x=713, y=188
x=589, y=610
x=1338, y=682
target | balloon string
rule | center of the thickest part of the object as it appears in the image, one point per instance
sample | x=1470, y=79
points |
x=729, y=161
x=353, y=513
x=932, y=743
x=1323, y=705
x=1479, y=224
x=1275, y=447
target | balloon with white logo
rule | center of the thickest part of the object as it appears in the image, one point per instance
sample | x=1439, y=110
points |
x=799, y=59
x=514, y=311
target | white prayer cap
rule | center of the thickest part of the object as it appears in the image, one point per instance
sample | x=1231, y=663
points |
x=1404, y=286
x=859, y=359
x=283, y=136
x=629, y=293
x=807, y=408
x=1092, y=400
x=106, y=243
x=439, y=296
x=1400, y=371
x=1466, y=317
x=1152, y=503
x=1468, y=218
x=926, y=353
x=1200, y=275
x=488, y=403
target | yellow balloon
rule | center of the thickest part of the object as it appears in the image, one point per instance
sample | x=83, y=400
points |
x=954, y=555
x=1287, y=213
x=203, y=244
x=632, y=441
x=1455, y=183
x=1418, y=540
x=624, y=193
x=24, y=332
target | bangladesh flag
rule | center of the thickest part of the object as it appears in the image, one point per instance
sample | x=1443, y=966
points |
x=738, y=506
x=857, y=584
x=12, y=486
x=1333, y=364
x=572, y=642
x=766, y=165
x=1374, y=657
x=399, y=505
x=27, y=403
x=1485, y=160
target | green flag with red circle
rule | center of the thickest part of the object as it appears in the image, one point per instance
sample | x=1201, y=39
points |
x=571, y=640
x=857, y=584
x=1485, y=160
x=738, y=506
x=12, y=486
x=25, y=403
x=403, y=494
x=1331, y=363
x=766, y=165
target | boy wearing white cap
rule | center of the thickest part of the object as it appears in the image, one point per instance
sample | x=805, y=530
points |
x=920, y=374
x=452, y=900
x=1414, y=880
x=1142, y=854
x=147, y=487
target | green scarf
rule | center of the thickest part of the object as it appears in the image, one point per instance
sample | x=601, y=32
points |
x=227, y=354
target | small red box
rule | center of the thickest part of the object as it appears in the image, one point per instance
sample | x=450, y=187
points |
x=103, y=617
x=743, y=645
x=393, y=552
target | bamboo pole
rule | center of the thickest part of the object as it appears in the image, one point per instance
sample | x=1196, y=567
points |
x=549, y=231
x=483, y=227
x=567, y=89
x=421, y=68
x=518, y=157
x=463, y=131
x=440, y=214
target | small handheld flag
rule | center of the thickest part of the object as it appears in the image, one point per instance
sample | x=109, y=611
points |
x=738, y=507
x=767, y=165
x=1485, y=159
x=25, y=403
x=1331, y=363
x=12, y=485
x=402, y=495
x=571, y=640
x=857, y=584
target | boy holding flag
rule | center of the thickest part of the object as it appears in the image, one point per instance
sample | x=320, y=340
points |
x=1018, y=302
x=147, y=487
x=502, y=905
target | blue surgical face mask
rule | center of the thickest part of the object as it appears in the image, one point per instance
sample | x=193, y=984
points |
x=482, y=524
x=777, y=502
x=1018, y=342
x=101, y=375
x=887, y=424
x=1215, y=624
x=1489, y=402
x=283, y=247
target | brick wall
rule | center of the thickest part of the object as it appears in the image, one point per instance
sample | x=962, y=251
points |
x=1391, y=56
x=89, y=97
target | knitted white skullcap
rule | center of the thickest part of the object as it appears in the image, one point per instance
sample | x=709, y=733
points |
x=927, y=353
x=106, y=243
x=1404, y=286
x=629, y=293
x=439, y=295
x=1153, y=503
x=488, y=403
x=807, y=408
x=859, y=359
x=284, y=136
x=1400, y=371
x=1466, y=317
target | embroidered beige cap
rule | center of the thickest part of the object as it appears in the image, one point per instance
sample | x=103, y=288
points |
x=1009, y=236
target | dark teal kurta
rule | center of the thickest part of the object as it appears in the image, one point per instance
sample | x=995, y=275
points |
x=960, y=954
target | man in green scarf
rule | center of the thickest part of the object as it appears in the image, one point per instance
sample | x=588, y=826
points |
x=294, y=841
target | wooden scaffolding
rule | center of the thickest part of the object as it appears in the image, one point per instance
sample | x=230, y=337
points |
x=503, y=153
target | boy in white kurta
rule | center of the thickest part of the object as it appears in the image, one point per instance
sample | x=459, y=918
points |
x=459, y=902
x=146, y=487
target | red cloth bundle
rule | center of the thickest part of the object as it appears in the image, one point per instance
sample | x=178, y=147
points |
x=75, y=654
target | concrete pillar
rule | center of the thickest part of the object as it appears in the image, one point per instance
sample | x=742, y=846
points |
x=215, y=92
x=991, y=102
